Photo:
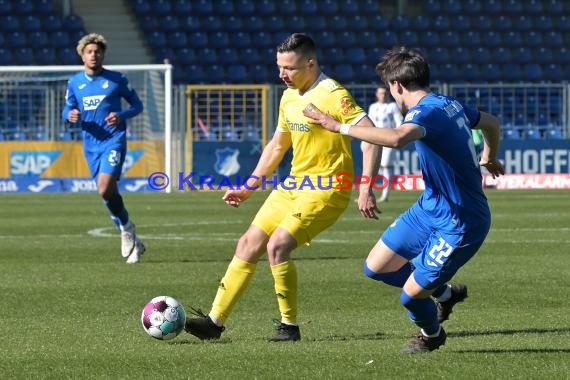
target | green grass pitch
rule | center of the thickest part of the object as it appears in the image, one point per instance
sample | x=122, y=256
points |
x=71, y=306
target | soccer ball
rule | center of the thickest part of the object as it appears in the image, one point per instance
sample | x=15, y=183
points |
x=163, y=318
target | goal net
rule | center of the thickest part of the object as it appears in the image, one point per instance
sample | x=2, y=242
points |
x=37, y=145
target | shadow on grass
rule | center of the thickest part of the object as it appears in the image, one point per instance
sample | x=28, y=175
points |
x=337, y=338
x=531, y=330
x=514, y=350
x=198, y=341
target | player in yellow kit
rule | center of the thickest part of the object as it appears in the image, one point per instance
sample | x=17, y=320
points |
x=307, y=203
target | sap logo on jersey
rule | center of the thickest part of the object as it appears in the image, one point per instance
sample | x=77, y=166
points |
x=31, y=163
x=92, y=102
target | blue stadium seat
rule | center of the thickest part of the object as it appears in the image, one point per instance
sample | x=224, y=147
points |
x=6, y=56
x=432, y=7
x=73, y=23
x=264, y=40
x=318, y=22
x=523, y=22
x=67, y=56
x=224, y=7
x=492, y=38
x=346, y=39
x=24, y=56
x=199, y=39
x=399, y=22
x=533, y=38
x=325, y=39
x=309, y=7
x=512, y=6
x=161, y=7
x=22, y=7
x=481, y=22
x=31, y=23
x=149, y=24
x=451, y=7
x=439, y=55
x=5, y=7
x=543, y=54
x=555, y=133
x=523, y=54
x=157, y=40
x=207, y=56
x=449, y=38
x=191, y=23
x=182, y=8
x=141, y=7
x=544, y=22
x=212, y=23
x=185, y=56
x=169, y=23
x=441, y=23
x=451, y=72
x=44, y=7
x=471, y=6
x=420, y=23
x=512, y=38
x=512, y=72
x=165, y=53
x=237, y=74
x=387, y=38
x=356, y=54
x=215, y=74
x=9, y=23
x=502, y=22
x=329, y=7
x=491, y=72
x=335, y=55
x=274, y=23
x=460, y=22
x=266, y=7
x=460, y=54
x=481, y=54
x=296, y=23
x=249, y=56
x=244, y=7
x=554, y=72
x=52, y=22
x=471, y=72
x=261, y=73
x=554, y=39
x=533, y=7
x=343, y=72
x=253, y=23
x=532, y=72
x=532, y=132
x=229, y=55
x=287, y=7
x=219, y=39
x=502, y=54
x=430, y=38
x=233, y=23
x=203, y=7
x=178, y=40
x=378, y=21
x=471, y=38
x=45, y=56
x=193, y=74
x=409, y=38
x=16, y=39
x=554, y=7
x=337, y=23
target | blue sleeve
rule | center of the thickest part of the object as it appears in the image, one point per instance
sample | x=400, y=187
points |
x=70, y=101
x=473, y=115
x=130, y=95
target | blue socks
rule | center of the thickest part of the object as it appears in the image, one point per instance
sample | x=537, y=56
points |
x=117, y=208
x=423, y=312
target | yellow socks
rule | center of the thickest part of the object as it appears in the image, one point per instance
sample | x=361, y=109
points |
x=286, y=284
x=232, y=286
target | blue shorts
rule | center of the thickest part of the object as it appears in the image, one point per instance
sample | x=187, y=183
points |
x=436, y=254
x=106, y=157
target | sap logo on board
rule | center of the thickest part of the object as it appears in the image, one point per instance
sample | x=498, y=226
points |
x=132, y=157
x=92, y=102
x=31, y=163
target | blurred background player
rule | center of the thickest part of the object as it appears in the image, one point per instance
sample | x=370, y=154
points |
x=384, y=113
x=291, y=218
x=427, y=244
x=93, y=99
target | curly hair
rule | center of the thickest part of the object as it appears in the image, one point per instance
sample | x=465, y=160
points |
x=91, y=38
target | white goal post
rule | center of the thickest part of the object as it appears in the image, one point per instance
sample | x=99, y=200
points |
x=32, y=98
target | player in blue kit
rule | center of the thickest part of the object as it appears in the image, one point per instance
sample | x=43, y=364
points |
x=426, y=245
x=93, y=99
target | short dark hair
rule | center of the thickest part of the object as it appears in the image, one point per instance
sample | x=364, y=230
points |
x=406, y=66
x=298, y=43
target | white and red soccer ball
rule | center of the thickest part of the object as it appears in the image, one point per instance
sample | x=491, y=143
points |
x=163, y=318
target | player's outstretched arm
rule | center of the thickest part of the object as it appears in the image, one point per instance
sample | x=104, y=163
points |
x=491, y=129
x=270, y=158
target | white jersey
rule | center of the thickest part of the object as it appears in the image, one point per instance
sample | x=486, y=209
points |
x=385, y=115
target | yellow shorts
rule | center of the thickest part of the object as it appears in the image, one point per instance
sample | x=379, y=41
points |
x=304, y=214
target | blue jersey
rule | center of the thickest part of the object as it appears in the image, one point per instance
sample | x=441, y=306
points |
x=96, y=96
x=453, y=198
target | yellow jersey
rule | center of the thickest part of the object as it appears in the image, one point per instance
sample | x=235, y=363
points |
x=318, y=154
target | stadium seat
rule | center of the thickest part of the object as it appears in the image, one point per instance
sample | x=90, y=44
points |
x=165, y=53
x=460, y=22
x=460, y=54
x=356, y=54
x=16, y=39
x=481, y=54
x=72, y=23
x=441, y=23
x=533, y=38
x=554, y=39
x=502, y=54
x=471, y=38
x=318, y=22
x=168, y=23
x=157, y=40
x=244, y=7
x=274, y=23
x=502, y=22
x=523, y=23
x=185, y=56
x=224, y=7
x=554, y=7
x=309, y=7
x=471, y=6
x=430, y=38
x=543, y=54
x=378, y=21
x=199, y=39
x=5, y=7
x=523, y=54
x=532, y=132
x=229, y=55
x=264, y=40
x=387, y=38
x=24, y=56
x=492, y=38
x=449, y=38
x=237, y=74
x=336, y=55
x=141, y=7
x=553, y=72
x=296, y=23
x=214, y=74
x=265, y=7
x=532, y=72
x=161, y=7
x=212, y=23
x=43, y=7
x=329, y=7
x=326, y=39
x=177, y=40
x=432, y=7
x=31, y=23
x=253, y=23
x=439, y=55
x=544, y=22
x=51, y=23
x=288, y=7
x=233, y=23
x=481, y=22
x=343, y=72
x=554, y=132
x=6, y=56
x=512, y=38
x=191, y=23
x=346, y=39
x=491, y=72
x=512, y=6
x=420, y=23
x=182, y=8
x=399, y=23
x=45, y=56
x=22, y=7
x=149, y=24
x=9, y=23
x=207, y=56
x=203, y=7
x=409, y=38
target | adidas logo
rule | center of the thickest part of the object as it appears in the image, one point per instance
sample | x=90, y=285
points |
x=297, y=215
